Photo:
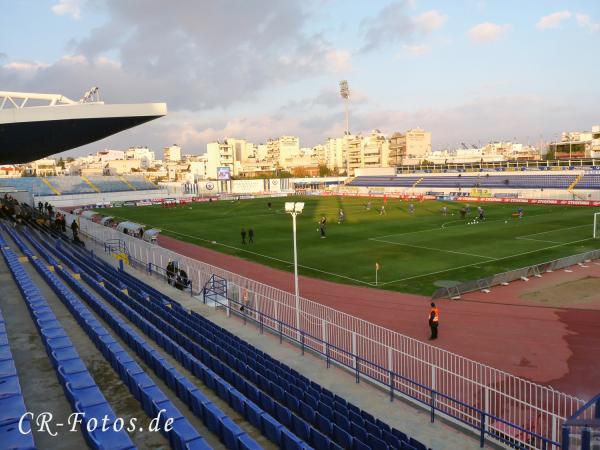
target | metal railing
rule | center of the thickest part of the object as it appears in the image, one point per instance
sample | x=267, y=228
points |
x=397, y=384
x=535, y=270
x=459, y=381
x=582, y=429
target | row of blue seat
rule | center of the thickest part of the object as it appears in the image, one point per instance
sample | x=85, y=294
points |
x=12, y=404
x=468, y=181
x=377, y=429
x=80, y=388
x=215, y=419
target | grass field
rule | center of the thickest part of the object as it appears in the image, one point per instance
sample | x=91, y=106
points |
x=416, y=252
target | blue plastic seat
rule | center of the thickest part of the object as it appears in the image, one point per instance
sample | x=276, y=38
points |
x=12, y=438
x=416, y=444
x=377, y=444
x=283, y=415
x=323, y=423
x=300, y=428
x=342, y=437
x=11, y=409
x=271, y=428
x=318, y=440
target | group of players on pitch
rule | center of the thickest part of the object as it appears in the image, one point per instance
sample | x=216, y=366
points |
x=464, y=211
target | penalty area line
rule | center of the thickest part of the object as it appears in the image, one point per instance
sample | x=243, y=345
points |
x=474, y=264
x=432, y=249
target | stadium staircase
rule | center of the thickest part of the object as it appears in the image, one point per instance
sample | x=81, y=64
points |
x=286, y=408
x=131, y=186
x=52, y=188
x=417, y=182
x=90, y=184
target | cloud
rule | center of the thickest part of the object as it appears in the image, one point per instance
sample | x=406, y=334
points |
x=68, y=7
x=394, y=24
x=416, y=50
x=585, y=21
x=430, y=21
x=488, y=32
x=553, y=20
x=196, y=55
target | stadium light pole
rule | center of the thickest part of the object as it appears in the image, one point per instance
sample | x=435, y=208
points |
x=295, y=208
x=345, y=94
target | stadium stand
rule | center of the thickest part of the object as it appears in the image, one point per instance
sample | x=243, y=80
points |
x=290, y=410
x=533, y=181
x=12, y=405
x=77, y=185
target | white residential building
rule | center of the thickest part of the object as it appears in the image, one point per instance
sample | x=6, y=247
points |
x=172, y=153
x=144, y=154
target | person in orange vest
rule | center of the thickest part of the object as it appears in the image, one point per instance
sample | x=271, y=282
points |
x=434, y=321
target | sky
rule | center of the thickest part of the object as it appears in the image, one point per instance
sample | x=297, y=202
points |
x=469, y=71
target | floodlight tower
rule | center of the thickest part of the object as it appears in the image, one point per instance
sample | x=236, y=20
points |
x=345, y=94
x=295, y=208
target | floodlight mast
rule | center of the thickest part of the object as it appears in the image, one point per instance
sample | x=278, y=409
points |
x=295, y=208
x=345, y=94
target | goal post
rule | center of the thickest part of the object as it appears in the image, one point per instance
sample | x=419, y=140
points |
x=596, y=225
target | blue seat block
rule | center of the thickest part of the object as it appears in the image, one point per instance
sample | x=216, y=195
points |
x=300, y=428
x=342, y=437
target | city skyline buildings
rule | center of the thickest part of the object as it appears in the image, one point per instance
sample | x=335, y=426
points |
x=470, y=71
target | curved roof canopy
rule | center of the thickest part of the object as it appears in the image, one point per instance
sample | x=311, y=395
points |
x=33, y=126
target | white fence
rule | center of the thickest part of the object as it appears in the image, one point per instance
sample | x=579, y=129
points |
x=412, y=367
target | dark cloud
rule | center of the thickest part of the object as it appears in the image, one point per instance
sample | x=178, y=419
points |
x=192, y=54
x=391, y=25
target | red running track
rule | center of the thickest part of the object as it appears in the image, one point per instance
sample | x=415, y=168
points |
x=554, y=346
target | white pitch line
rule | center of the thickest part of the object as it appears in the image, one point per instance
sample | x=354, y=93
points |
x=474, y=264
x=537, y=240
x=269, y=257
x=431, y=248
x=552, y=231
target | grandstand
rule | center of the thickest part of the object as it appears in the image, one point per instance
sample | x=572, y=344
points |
x=75, y=185
x=235, y=395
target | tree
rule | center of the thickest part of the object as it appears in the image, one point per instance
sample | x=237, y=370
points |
x=324, y=171
x=61, y=163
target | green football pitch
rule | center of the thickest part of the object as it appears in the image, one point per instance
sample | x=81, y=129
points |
x=416, y=252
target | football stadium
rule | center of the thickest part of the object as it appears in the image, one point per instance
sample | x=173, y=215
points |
x=294, y=312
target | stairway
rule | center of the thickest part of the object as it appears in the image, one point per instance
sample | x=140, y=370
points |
x=90, y=184
x=52, y=188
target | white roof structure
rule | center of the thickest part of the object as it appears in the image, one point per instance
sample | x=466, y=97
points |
x=36, y=125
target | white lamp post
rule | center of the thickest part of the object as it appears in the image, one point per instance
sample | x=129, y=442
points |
x=295, y=208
